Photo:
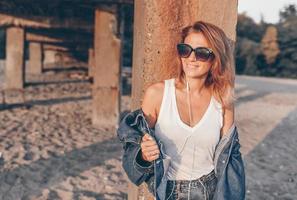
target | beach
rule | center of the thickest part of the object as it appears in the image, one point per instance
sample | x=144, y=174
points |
x=50, y=150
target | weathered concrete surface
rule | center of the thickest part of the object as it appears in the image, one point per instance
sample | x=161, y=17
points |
x=60, y=55
x=50, y=56
x=41, y=38
x=14, y=70
x=45, y=22
x=52, y=47
x=106, y=89
x=35, y=58
x=157, y=26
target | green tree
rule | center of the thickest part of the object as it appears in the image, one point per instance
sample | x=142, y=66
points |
x=247, y=28
x=267, y=51
x=288, y=13
x=269, y=44
x=287, y=59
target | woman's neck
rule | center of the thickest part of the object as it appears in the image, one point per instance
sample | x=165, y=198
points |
x=196, y=85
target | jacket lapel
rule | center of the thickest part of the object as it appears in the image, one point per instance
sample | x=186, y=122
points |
x=224, y=141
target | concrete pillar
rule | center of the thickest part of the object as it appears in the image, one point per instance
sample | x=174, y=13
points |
x=157, y=25
x=91, y=62
x=53, y=58
x=35, y=58
x=106, y=90
x=14, y=71
x=49, y=56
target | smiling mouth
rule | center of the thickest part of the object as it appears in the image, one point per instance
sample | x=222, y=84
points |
x=192, y=66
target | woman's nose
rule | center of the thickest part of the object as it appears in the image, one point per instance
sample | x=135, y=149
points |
x=192, y=56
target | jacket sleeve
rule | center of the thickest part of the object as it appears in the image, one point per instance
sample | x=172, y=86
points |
x=231, y=184
x=130, y=133
x=136, y=169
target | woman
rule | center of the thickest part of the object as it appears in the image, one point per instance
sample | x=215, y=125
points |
x=192, y=112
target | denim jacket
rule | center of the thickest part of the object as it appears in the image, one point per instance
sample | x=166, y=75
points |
x=229, y=167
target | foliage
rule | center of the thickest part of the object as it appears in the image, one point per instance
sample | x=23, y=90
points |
x=269, y=44
x=267, y=49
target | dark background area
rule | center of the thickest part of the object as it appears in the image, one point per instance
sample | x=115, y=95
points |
x=277, y=57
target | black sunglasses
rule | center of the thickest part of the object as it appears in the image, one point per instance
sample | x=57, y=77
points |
x=201, y=53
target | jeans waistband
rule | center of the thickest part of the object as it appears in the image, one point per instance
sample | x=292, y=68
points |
x=180, y=184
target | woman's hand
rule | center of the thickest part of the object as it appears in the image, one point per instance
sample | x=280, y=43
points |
x=149, y=148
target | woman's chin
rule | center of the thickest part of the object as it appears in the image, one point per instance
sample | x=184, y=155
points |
x=195, y=75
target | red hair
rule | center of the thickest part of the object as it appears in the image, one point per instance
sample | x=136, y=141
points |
x=222, y=73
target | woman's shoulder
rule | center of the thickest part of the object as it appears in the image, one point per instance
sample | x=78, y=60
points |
x=152, y=101
x=156, y=90
x=216, y=99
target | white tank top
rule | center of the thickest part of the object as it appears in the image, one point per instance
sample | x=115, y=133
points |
x=191, y=149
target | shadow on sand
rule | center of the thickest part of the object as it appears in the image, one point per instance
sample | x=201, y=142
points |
x=27, y=180
x=46, y=102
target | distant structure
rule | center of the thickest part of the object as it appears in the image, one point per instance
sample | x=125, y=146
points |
x=58, y=31
x=61, y=33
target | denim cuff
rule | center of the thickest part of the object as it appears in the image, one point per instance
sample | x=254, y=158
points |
x=142, y=165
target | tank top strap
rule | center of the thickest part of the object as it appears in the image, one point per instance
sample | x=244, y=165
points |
x=166, y=99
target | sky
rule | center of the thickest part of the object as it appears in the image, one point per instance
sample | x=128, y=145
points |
x=268, y=8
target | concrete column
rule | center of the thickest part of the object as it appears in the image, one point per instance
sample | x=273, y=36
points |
x=14, y=72
x=49, y=56
x=106, y=90
x=91, y=62
x=35, y=58
x=53, y=58
x=157, y=25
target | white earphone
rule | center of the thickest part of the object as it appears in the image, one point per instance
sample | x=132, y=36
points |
x=189, y=101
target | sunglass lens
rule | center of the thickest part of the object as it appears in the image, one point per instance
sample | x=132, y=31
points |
x=202, y=54
x=183, y=50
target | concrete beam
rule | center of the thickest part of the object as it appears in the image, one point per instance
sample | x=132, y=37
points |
x=106, y=89
x=51, y=57
x=35, y=58
x=14, y=70
x=59, y=39
x=55, y=47
x=45, y=22
x=32, y=37
x=157, y=25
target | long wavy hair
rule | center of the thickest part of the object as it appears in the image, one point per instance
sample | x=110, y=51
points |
x=221, y=75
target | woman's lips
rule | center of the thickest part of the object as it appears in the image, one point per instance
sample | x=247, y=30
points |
x=192, y=66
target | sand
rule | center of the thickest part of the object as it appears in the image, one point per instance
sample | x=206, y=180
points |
x=51, y=151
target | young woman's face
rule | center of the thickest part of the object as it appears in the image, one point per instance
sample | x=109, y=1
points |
x=194, y=68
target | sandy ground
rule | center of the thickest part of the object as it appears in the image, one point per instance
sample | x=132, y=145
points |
x=51, y=151
x=266, y=116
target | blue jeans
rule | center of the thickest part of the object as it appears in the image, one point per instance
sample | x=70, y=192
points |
x=198, y=189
